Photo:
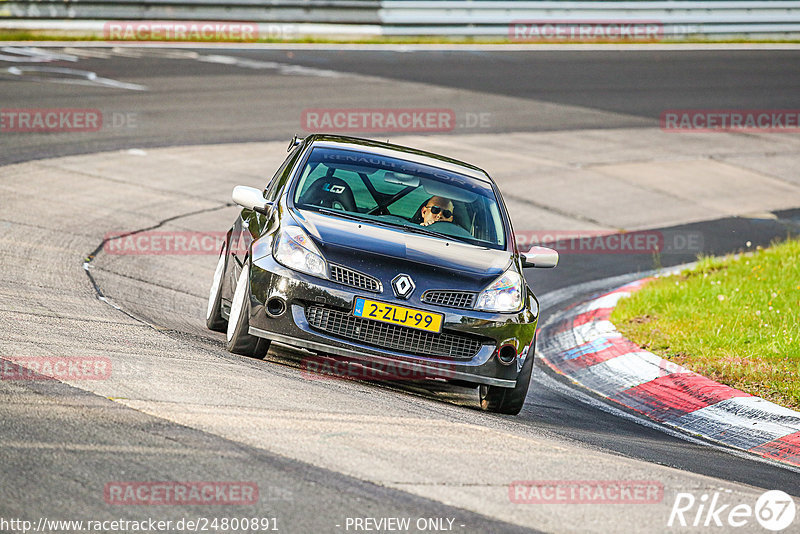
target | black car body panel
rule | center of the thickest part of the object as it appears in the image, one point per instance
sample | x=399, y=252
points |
x=447, y=273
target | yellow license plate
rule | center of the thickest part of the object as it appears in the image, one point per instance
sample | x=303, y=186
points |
x=389, y=313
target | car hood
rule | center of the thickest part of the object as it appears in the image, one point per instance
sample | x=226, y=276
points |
x=337, y=236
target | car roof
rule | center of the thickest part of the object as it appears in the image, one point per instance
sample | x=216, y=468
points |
x=398, y=151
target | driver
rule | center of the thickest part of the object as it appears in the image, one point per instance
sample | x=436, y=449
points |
x=437, y=209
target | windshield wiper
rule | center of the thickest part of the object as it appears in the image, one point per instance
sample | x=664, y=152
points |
x=350, y=216
x=425, y=231
x=342, y=214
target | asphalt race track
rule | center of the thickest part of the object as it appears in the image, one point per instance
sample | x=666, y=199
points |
x=573, y=140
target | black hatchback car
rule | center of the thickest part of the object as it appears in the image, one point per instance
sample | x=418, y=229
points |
x=386, y=256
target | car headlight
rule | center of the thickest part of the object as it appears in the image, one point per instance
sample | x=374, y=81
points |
x=502, y=295
x=295, y=250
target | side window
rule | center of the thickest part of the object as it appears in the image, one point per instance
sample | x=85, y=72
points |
x=310, y=176
x=282, y=174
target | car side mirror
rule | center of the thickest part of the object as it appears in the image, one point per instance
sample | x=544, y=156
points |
x=541, y=257
x=251, y=198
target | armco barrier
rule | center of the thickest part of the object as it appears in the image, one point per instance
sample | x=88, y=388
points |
x=480, y=18
x=312, y=11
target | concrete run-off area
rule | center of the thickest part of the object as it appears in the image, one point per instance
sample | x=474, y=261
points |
x=150, y=321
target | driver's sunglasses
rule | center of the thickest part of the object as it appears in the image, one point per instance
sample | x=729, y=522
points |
x=436, y=209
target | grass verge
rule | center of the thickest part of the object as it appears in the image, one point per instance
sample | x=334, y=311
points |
x=734, y=320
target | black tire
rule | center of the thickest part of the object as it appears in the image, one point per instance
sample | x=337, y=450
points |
x=509, y=401
x=239, y=340
x=214, y=319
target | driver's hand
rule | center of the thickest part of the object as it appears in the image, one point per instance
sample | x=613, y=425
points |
x=424, y=223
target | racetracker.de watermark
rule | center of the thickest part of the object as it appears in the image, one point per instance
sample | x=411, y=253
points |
x=731, y=120
x=167, y=243
x=29, y=120
x=55, y=368
x=379, y=120
x=602, y=242
x=586, y=492
x=160, y=30
x=585, y=30
x=180, y=493
x=383, y=120
x=325, y=368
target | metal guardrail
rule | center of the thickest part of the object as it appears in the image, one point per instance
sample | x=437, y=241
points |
x=675, y=18
x=315, y=11
x=478, y=18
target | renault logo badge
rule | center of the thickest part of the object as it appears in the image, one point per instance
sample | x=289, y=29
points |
x=403, y=286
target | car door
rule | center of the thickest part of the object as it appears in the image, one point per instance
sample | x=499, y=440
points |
x=250, y=225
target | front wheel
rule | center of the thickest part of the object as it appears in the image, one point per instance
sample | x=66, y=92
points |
x=509, y=401
x=240, y=341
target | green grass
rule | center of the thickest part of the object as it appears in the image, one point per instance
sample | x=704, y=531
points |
x=734, y=320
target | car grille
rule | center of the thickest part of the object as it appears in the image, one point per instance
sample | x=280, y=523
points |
x=389, y=336
x=453, y=299
x=352, y=278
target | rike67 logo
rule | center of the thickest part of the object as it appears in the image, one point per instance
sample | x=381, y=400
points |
x=774, y=510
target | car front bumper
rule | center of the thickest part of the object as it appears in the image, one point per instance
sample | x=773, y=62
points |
x=270, y=280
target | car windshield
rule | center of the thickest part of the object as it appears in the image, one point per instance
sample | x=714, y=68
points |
x=396, y=192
